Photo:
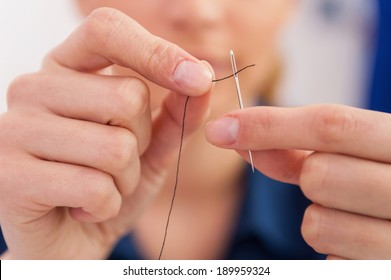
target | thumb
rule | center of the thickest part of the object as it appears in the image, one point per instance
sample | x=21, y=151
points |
x=175, y=116
x=177, y=112
x=109, y=37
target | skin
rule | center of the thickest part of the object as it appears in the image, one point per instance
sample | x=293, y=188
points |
x=89, y=143
x=98, y=158
x=342, y=164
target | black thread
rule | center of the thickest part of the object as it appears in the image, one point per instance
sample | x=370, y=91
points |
x=176, y=176
x=179, y=159
x=222, y=79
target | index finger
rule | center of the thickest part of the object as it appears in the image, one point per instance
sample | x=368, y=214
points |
x=110, y=37
x=324, y=128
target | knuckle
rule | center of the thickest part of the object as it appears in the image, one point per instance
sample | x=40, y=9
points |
x=132, y=185
x=108, y=202
x=100, y=187
x=19, y=88
x=332, y=124
x=113, y=208
x=101, y=24
x=132, y=98
x=121, y=150
x=160, y=53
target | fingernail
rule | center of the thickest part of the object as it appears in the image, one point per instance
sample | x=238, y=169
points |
x=224, y=131
x=193, y=76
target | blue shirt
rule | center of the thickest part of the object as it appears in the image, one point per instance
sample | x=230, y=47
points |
x=268, y=226
x=380, y=97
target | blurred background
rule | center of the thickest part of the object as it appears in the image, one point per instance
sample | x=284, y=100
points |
x=28, y=30
x=326, y=50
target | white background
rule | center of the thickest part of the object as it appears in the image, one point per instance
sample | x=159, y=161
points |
x=281, y=270
x=28, y=30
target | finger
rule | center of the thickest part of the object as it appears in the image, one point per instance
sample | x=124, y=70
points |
x=326, y=128
x=110, y=37
x=345, y=234
x=163, y=151
x=347, y=183
x=117, y=101
x=39, y=186
x=280, y=165
x=110, y=149
x=334, y=181
x=175, y=116
x=335, y=258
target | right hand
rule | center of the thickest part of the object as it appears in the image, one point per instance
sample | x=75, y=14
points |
x=80, y=155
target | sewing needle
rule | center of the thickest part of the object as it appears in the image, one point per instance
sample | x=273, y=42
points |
x=236, y=77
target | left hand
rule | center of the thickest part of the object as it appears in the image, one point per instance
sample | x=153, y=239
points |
x=341, y=158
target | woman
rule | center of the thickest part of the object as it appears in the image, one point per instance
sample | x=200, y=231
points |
x=89, y=147
x=102, y=154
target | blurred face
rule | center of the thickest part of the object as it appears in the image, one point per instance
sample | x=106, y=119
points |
x=208, y=29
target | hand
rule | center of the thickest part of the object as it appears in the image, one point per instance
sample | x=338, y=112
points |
x=340, y=157
x=80, y=155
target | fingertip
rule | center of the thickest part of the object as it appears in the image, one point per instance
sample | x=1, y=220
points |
x=212, y=85
x=194, y=77
x=207, y=64
x=223, y=131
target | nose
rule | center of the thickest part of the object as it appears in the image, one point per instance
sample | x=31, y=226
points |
x=193, y=15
